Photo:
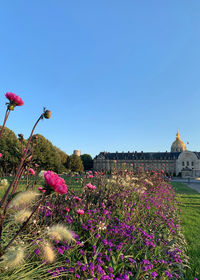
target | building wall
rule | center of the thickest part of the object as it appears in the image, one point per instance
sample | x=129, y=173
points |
x=169, y=166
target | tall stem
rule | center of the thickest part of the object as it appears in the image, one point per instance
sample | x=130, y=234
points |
x=16, y=180
x=21, y=163
x=5, y=119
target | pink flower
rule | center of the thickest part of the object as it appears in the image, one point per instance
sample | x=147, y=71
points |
x=31, y=171
x=90, y=186
x=1, y=155
x=67, y=209
x=41, y=190
x=14, y=99
x=80, y=211
x=96, y=173
x=91, y=176
x=90, y=172
x=55, y=182
x=77, y=198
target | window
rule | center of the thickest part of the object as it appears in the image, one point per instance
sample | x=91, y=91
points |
x=183, y=163
x=192, y=163
x=188, y=163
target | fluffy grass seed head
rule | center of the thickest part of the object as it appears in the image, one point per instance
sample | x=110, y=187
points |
x=24, y=198
x=13, y=257
x=22, y=215
x=48, y=253
x=4, y=183
x=59, y=232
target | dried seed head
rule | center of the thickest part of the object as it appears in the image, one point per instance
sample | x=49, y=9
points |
x=22, y=216
x=13, y=257
x=24, y=198
x=59, y=232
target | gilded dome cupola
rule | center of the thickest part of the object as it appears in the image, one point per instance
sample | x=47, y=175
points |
x=178, y=145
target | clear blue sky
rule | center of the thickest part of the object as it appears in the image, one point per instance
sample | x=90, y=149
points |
x=118, y=75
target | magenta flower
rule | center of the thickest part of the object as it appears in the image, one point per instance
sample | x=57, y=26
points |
x=14, y=99
x=77, y=198
x=55, y=182
x=31, y=171
x=80, y=211
x=41, y=190
x=1, y=155
x=90, y=186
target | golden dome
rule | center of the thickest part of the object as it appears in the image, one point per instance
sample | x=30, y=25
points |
x=178, y=145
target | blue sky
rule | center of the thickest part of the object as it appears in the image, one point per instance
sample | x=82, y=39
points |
x=118, y=75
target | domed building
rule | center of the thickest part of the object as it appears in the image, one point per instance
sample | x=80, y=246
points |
x=178, y=145
x=178, y=161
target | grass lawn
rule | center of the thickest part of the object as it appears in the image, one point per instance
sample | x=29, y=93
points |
x=190, y=220
x=71, y=184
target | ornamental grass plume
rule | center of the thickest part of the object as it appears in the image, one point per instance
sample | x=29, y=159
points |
x=22, y=215
x=13, y=258
x=4, y=183
x=48, y=253
x=59, y=232
x=24, y=198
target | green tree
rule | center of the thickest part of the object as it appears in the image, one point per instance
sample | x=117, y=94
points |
x=46, y=155
x=87, y=161
x=74, y=163
x=10, y=149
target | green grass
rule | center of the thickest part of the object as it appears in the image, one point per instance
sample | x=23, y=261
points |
x=71, y=184
x=189, y=200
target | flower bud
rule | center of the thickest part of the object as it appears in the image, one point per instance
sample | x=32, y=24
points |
x=47, y=114
x=11, y=107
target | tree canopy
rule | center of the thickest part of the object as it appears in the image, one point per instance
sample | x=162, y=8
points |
x=87, y=161
x=10, y=149
x=74, y=163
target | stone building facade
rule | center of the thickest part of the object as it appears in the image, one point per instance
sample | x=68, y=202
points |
x=178, y=161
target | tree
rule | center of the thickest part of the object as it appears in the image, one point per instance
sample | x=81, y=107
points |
x=87, y=161
x=46, y=155
x=10, y=149
x=74, y=163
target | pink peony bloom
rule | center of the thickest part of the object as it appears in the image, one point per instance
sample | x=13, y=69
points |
x=90, y=172
x=90, y=186
x=1, y=155
x=31, y=171
x=80, y=211
x=96, y=173
x=55, y=182
x=14, y=99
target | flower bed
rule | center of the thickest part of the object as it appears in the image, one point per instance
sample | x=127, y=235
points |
x=122, y=227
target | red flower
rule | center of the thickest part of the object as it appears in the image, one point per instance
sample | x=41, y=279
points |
x=80, y=211
x=1, y=155
x=67, y=209
x=32, y=171
x=55, y=182
x=41, y=189
x=90, y=186
x=14, y=99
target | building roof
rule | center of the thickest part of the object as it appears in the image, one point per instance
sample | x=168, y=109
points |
x=139, y=156
x=178, y=145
